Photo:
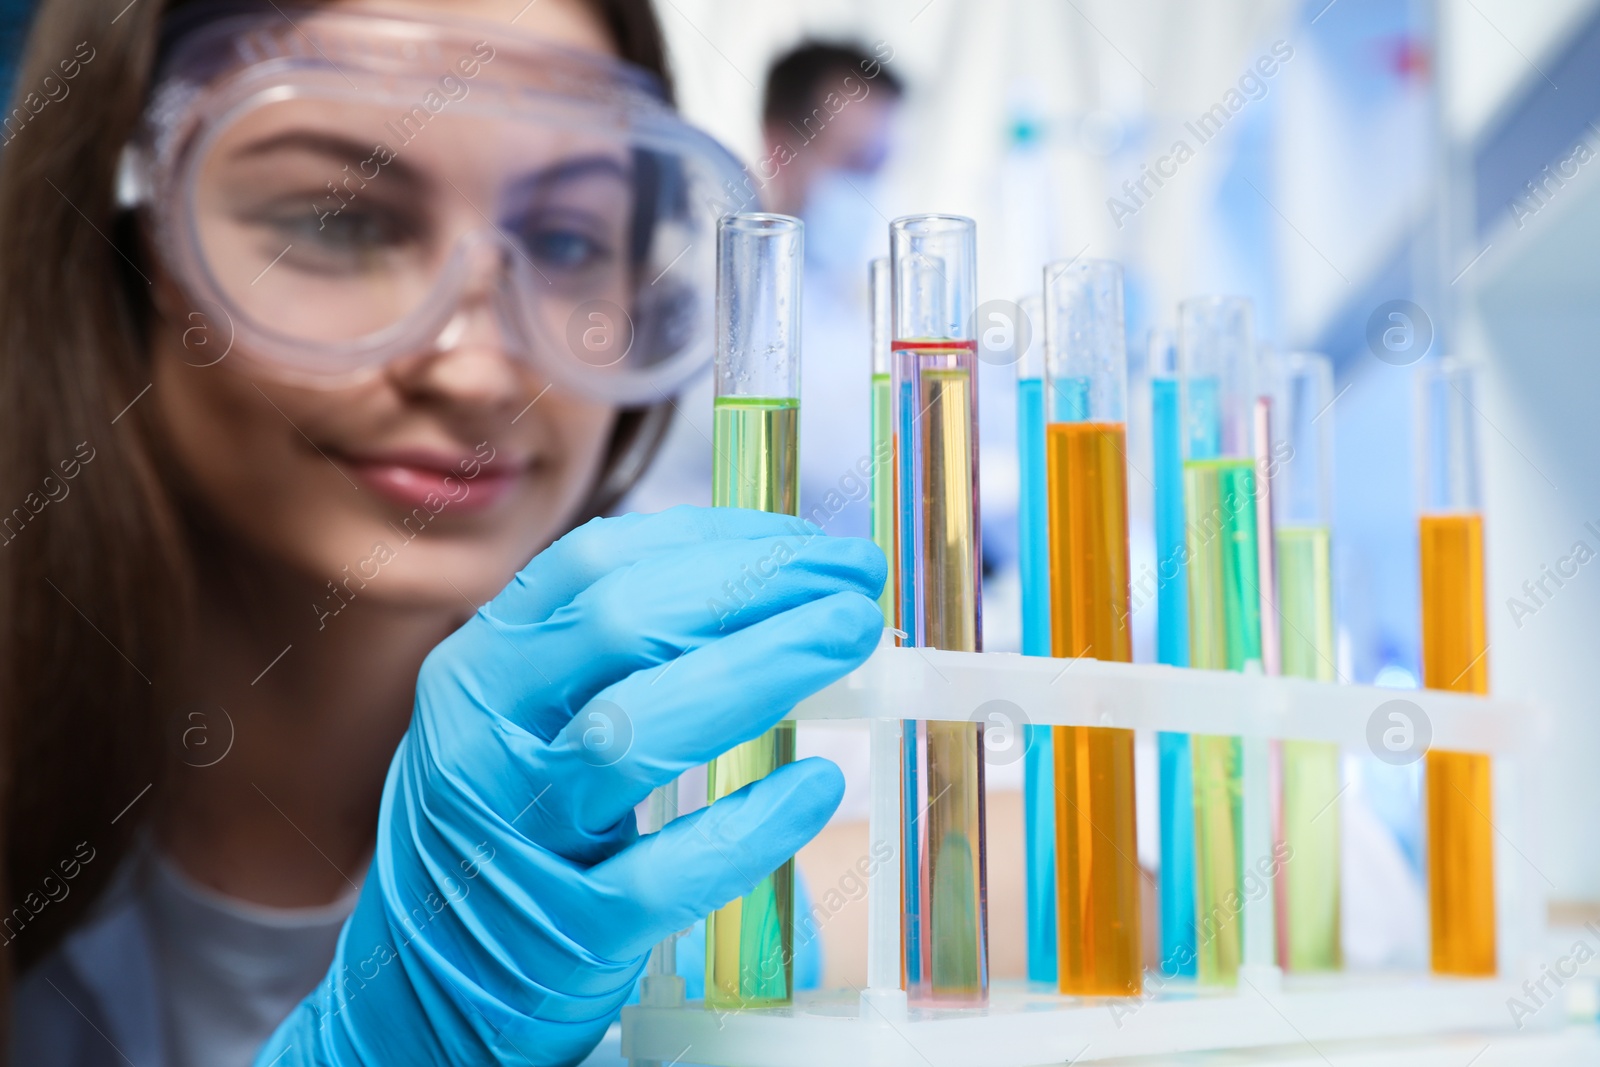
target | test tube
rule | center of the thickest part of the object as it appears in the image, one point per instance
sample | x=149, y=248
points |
x=1455, y=656
x=755, y=439
x=1172, y=647
x=1302, y=499
x=881, y=295
x=1217, y=357
x=1263, y=757
x=946, y=922
x=884, y=967
x=1086, y=376
x=1166, y=433
x=1033, y=522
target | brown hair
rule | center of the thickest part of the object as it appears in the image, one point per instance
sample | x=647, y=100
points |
x=94, y=596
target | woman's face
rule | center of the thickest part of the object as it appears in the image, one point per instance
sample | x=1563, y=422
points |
x=432, y=479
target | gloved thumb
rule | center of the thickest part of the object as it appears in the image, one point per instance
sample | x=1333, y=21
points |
x=701, y=861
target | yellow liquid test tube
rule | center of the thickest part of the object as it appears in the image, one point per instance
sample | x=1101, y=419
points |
x=1455, y=657
x=755, y=438
x=948, y=755
x=1217, y=360
x=1224, y=634
x=945, y=891
x=1302, y=501
x=1098, y=910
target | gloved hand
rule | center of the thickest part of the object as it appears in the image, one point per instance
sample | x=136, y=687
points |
x=511, y=902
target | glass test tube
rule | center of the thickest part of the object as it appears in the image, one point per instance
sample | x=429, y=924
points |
x=1217, y=357
x=1455, y=656
x=755, y=437
x=1263, y=762
x=1302, y=500
x=1172, y=587
x=1086, y=376
x=884, y=966
x=881, y=295
x=1038, y=776
x=945, y=885
x=1172, y=648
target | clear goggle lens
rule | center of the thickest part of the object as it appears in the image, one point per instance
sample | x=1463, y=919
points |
x=343, y=223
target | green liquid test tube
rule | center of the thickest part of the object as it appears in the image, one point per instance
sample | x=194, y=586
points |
x=756, y=443
x=1303, y=504
x=1217, y=362
x=879, y=282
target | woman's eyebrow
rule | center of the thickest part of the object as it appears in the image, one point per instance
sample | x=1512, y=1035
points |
x=529, y=185
x=337, y=148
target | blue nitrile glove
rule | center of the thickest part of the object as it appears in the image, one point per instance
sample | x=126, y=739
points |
x=511, y=903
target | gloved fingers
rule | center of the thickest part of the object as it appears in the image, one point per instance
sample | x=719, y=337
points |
x=652, y=612
x=649, y=728
x=665, y=881
x=577, y=560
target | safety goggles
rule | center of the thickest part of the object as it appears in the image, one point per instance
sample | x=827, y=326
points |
x=349, y=188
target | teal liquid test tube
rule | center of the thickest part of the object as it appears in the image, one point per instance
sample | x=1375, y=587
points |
x=1033, y=538
x=755, y=440
x=1174, y=759
x=1172, y=586
x=1302, y=498
x=903, y=417
x=933, y=264
x=1216, y=351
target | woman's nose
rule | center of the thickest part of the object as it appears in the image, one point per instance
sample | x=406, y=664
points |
x=479, y=356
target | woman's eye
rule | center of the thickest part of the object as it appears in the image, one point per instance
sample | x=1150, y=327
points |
x=356, y=229
x=565, y=248
x=353, y=235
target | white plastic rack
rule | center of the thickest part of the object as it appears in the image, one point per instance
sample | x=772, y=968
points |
x=1359, y=1018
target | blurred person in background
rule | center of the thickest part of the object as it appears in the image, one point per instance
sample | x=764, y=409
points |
x=827, y=119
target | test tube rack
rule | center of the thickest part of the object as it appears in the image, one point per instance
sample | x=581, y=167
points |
x=1410, y=1018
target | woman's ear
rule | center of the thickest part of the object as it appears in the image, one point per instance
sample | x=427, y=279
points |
x=201, y=331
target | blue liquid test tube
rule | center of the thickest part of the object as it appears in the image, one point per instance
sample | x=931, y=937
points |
x=1172, y=648
x=1033, y=518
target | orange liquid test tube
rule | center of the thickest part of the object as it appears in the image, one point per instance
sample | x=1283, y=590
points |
x=1086, y=467
x=1460, y=836
x=1455, y=657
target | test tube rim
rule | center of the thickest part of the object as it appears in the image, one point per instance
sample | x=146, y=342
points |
x=761, y=222
x=948, y=223
x=1215, y=299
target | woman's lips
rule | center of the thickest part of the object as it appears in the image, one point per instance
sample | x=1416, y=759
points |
x=425, y=483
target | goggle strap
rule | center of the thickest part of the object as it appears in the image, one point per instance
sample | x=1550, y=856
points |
x=133, y=178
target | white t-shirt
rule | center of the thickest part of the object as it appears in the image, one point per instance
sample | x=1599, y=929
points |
x=168, y=973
